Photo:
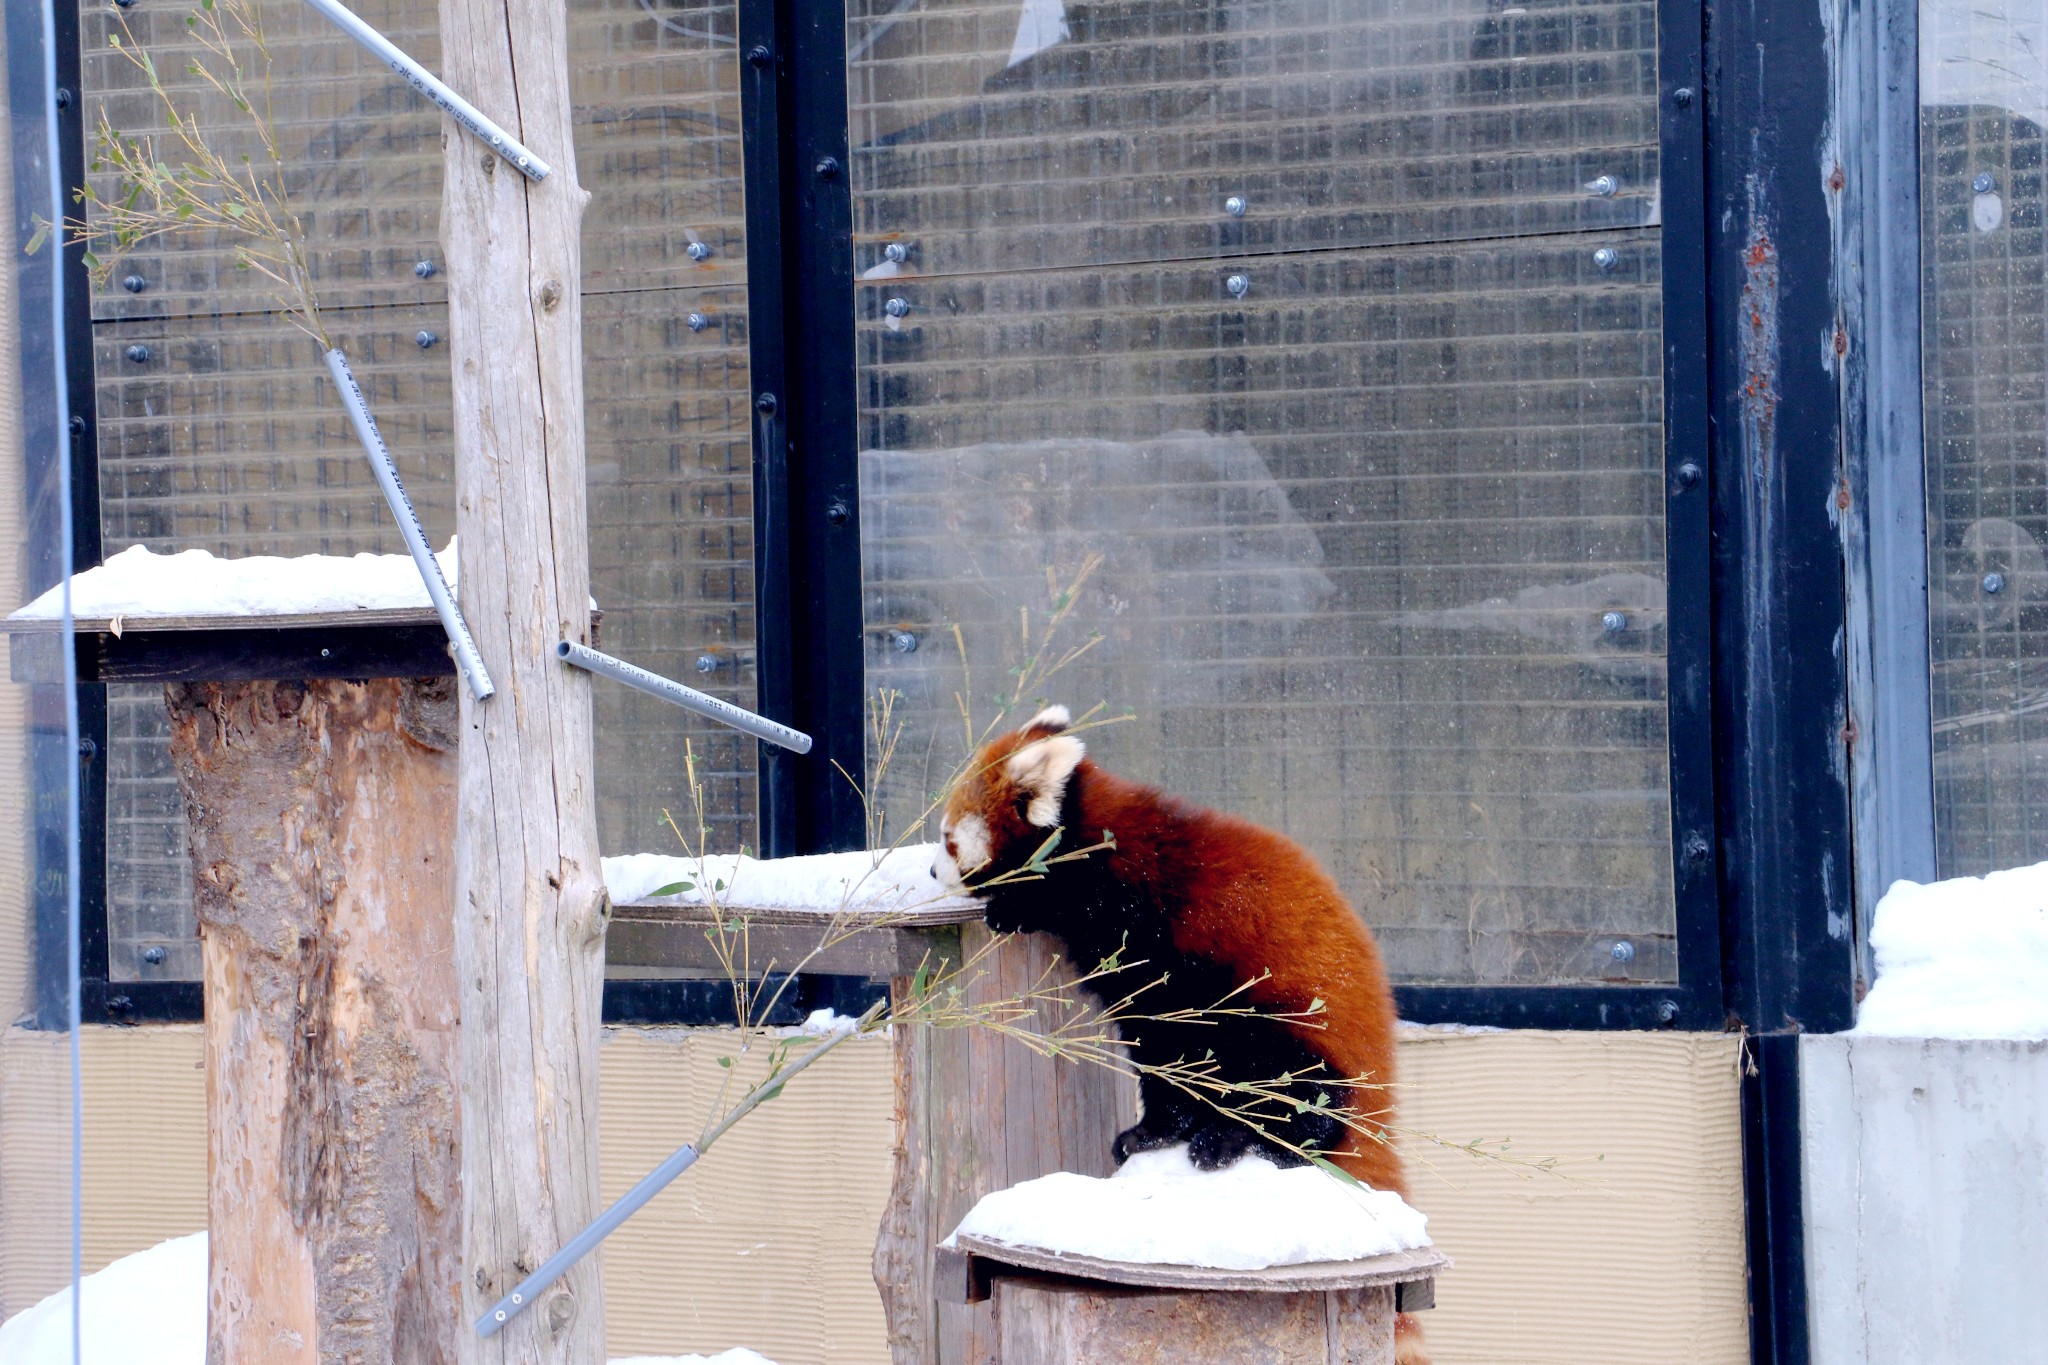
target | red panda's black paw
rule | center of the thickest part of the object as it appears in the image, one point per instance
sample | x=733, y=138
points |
x=1213, y=1148
x=1138, y=1138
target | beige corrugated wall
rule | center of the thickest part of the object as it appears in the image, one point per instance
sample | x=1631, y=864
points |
x=1633, y=1255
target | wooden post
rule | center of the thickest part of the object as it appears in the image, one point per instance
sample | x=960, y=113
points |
x=321, y=822
x=530, y=900
x=978, y=1113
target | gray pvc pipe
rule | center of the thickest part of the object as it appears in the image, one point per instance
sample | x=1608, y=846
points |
x=459, y=638
x=579, y=1246
x=689, y=698
x=430, y=85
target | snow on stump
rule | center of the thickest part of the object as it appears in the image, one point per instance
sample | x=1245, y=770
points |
x=1252, y=1265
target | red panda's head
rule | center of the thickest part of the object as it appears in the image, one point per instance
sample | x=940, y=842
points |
x=1007, y=800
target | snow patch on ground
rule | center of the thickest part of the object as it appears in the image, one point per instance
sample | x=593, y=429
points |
x=150, y=1309
x=1965, y=958
x=1159, y=1210
x=139, y=583
x=897, y=879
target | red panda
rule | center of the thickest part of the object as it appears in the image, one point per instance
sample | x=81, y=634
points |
x=1210, y=902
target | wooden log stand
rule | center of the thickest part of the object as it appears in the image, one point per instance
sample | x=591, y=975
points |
x=1048, y=1309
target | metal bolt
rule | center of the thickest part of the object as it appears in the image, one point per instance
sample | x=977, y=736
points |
x=1697, y=848
x=1624, y=951
x=1238, y=285
x=758, y=55
x=119, y=1005
x=766, y=405
x=425, y=339
x=1984, y=183
x=896, y=308
x=1614, y=622
x=1994, y=583
x=134, y=284
x=426, y=270
x=154, y=955
x=1607, y=258
x=696, y=322
x=905, y=642
x=1689, y=474
x=64, y=97
x=1604, y=186
x=1682, y=96
x=325, y=653
x=138, y=353
x=896, y=252
x=828, y=167
x=88, y=749
x=77, y=425
x=838, y=513
x=697, y=251
x=706, y=664
x=1667, y=1011
x=1235, y=206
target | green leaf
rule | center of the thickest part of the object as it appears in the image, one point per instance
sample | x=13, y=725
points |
x=41, y=235
x=92, y=262
x=673, y=889
x=725, y=1062
x=921, y=981
x=1334, y=1169
x=1316, y=1006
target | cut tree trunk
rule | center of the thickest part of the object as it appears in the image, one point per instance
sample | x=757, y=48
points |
x=975, y=1113
x=321, y=819
x=530, y=897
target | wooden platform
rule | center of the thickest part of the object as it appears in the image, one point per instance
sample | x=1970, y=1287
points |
x=385, y=642
x=669, y=935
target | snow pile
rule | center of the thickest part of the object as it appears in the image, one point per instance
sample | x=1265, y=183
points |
x=1160, y=1210
x=139, y=583
x=896, y=880
x=1966, y=958
x=150, y=1309
x=145, y=1309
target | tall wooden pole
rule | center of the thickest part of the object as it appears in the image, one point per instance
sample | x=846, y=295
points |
x=530, y=901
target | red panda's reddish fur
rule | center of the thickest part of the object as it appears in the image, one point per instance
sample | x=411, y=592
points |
x=1231, y=893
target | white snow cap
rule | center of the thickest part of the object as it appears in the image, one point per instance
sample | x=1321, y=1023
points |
x=1160, y=1210
x=1966, y=958
x=150, y=1309
x=140, y=583
x=897, y=879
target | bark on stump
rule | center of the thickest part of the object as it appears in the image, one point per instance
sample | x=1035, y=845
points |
x=976, y=1113
x=321, y=818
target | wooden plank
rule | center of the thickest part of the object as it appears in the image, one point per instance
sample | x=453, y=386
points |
x=321, y=817
x=18, y=624
x=937, y=914
x=1066, y=1322
x=1396, y=1268
x=531, y=902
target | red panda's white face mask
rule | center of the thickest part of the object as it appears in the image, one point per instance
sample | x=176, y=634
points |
x=1009, y=798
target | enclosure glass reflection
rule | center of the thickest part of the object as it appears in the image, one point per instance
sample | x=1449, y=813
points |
x=1984, y=278
x=225, y=436
x=1335, y=329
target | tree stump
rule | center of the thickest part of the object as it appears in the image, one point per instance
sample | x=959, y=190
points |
x=1051, y=1309
x=321, y=819
x=976, y=1113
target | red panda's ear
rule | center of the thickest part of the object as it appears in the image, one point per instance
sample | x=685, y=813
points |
x=1040, y=771
x=1052, y=720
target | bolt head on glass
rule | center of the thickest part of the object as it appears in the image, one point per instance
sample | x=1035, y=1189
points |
x=904, y=641
x=896, y=308
x=1614, y=622
x=134, y=284
x=896, y=252
x=1235, y=206
x=1624, y=951
x=138, y=353
x=706, y=664
x=697, y=322
x=1603, y=186
x=1607, y=258
x=697, y=251
x=1984, y=183
x=1238, y=285
x=1994, y=583
x=425, y=339
x=426, y=270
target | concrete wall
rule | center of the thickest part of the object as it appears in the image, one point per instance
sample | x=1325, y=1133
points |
x=1631, y=1252
x=1926, y=1187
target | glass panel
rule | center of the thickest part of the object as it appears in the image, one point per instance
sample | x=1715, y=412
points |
x=226, y=436
x=1384, y=563
x=1984, y=104
x=656, y=86
x=999, y=134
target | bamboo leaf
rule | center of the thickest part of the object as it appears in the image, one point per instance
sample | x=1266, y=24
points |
x=39, y=236
x=673, y=889
x=1334, y=1169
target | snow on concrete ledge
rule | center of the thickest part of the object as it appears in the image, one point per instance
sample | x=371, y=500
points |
x=1965, y=958
x=138, y=583
x=885, y=881
x=1159, y=1210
